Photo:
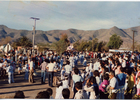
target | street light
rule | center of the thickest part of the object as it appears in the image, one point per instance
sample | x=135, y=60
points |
x=34, y=30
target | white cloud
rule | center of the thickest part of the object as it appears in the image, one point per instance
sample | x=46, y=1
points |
x=64, y=15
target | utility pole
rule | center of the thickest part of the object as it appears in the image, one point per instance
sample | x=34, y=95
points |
x=92, y=42
x=133, y=39
x=34, y=32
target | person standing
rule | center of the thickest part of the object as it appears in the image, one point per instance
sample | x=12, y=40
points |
x=61, y=62
x=80, y=94
x=121, y=80
x=76, y=78
x=50, y=68
x=85, y=62
x=103, y=86
x=72, y=59
x=10, y=73
x=92, y=89
x=68, y=69
x=130, y=85
x=113, y=85
x=31, y=71
x=26, y=70
x=19, y=67
x=43, y=67
x=138, y=86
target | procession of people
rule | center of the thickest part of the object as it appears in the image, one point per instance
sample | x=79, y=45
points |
x=103, y=75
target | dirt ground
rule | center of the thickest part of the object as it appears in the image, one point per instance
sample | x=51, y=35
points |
x=30, y=89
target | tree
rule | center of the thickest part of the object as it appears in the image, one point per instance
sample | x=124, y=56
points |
x=100, y=46
x=23, y=41
x=76, y=44
x=60, y=46
x=42, y=46
x=94, y=44
x=115, y=42
x=65, y=38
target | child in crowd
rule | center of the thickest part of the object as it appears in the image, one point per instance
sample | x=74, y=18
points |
x=85, y=62
x=61, y=62
x=66, y=93
x=19, y=95
x=50, y=91
x=43, y=95
x=87, y=68
x=83, y=74
x=26, y=70
x=126, y=83
x=62, y=73
x=65, y=82
x=19, y=67
x=59, y=89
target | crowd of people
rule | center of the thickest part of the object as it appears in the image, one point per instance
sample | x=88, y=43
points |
x=103, y=75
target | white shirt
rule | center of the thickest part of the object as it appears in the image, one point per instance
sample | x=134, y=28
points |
x=138, y=85
x=51, y=67
x=132, y=65
x=59, y=92
x=31, y=65
x=90, y=66
x=71, y=59
x=68, y=68
x=1, y=64
x=114, y=83
x=10, y=69
x=124, y=63
x=87, y=69
x=96, y=65
x=81, y=94
x=91, y=90
x=98, y=80
x=65, y=84
x=120, y=59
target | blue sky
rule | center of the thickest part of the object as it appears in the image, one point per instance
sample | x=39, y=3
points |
x=82, y=15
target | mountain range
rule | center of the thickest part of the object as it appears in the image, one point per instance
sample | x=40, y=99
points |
x=74, y=34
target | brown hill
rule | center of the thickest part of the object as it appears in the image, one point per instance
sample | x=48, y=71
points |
x=73, y=34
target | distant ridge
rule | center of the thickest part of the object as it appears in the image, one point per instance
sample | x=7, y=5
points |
x=73, y=34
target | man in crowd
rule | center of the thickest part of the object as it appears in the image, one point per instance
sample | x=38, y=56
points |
x=43, y=71
x=113, y=85
x=121, y=80
x=50, y=68
x=31, y=71
x=68, y=69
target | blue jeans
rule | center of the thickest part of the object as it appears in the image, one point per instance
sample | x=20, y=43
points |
x=43, y=75
x=26, y=75
x=50, y=78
